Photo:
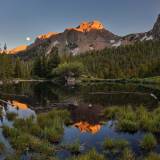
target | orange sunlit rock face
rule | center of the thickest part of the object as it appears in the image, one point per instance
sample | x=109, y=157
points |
x=88, y=26
x=46, y=36
x=22, y=106
x=86, y=127
x=17, y=49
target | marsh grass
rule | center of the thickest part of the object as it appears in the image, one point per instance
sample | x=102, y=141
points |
x=22, y=141
x=115, y=144
x=42, y=157
x=28, y=126
x=41, y=146
x=1, y=147
x=36, y=135
x=14, y=156
x=91, y=155
x=152, y=156
x=126, y=125
x=49, y=126
x=52, y=134
x=127, y=155
x=131, y=120
x=111, y=112
x=11, y=116
x=74, y=148
x=148, y=142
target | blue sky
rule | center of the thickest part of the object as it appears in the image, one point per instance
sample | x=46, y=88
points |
x=29, y=18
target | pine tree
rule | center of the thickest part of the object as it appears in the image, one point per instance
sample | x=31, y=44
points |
x=53, y=61
x=5, y=48
x=18, y=69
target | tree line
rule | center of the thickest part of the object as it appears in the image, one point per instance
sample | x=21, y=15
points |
x=139, y=60
x=133, y=61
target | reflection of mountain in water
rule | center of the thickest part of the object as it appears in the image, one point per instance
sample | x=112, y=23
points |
x=19, y=105
x=86, y=127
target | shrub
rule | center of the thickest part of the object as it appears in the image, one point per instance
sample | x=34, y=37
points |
x=73, y=69
x=148, y=142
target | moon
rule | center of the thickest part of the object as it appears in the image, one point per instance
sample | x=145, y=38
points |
x=28, y=39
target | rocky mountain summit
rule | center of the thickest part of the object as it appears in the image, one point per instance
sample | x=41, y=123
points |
x=87, y=36
x=156, y=29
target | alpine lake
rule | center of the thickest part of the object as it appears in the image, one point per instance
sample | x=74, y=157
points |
x=87, y=106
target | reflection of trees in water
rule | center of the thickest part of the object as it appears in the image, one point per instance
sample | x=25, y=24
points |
x=48, y=93
x=24, y=88
x=36, y=93
x=118, y=99
x=44, y=94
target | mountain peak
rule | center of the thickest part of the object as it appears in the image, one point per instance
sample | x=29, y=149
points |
x=46, y=36
x=156, y=28
x=88, y=26
x=18, y=49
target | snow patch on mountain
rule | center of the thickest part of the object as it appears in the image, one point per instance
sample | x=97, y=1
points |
x=147, y=38
x=55, y=43
x=112, y=41
x=119, y=43
x=75, y=51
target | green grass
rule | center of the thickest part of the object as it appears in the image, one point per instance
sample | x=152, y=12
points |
x=74, y=147
x=131, y=120
x=111, y=112
x=91, y=155
x=153, y=79
x=37, y=135
x=127, y=155
x=42, y=157
x=126, y=125
x=148, y=142
x=152, y=156
x=52, y=134
x=115, y=144
x=41, y=146
x=13, y=157
x=149, y=80
x=22, y=141
x=49, y=126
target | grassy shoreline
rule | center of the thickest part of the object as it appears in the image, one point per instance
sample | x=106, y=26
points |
x=149, y=80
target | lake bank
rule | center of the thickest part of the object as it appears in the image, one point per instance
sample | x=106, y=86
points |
x=149, y=80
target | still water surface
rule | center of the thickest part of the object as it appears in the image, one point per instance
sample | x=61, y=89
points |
x=86, y=103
